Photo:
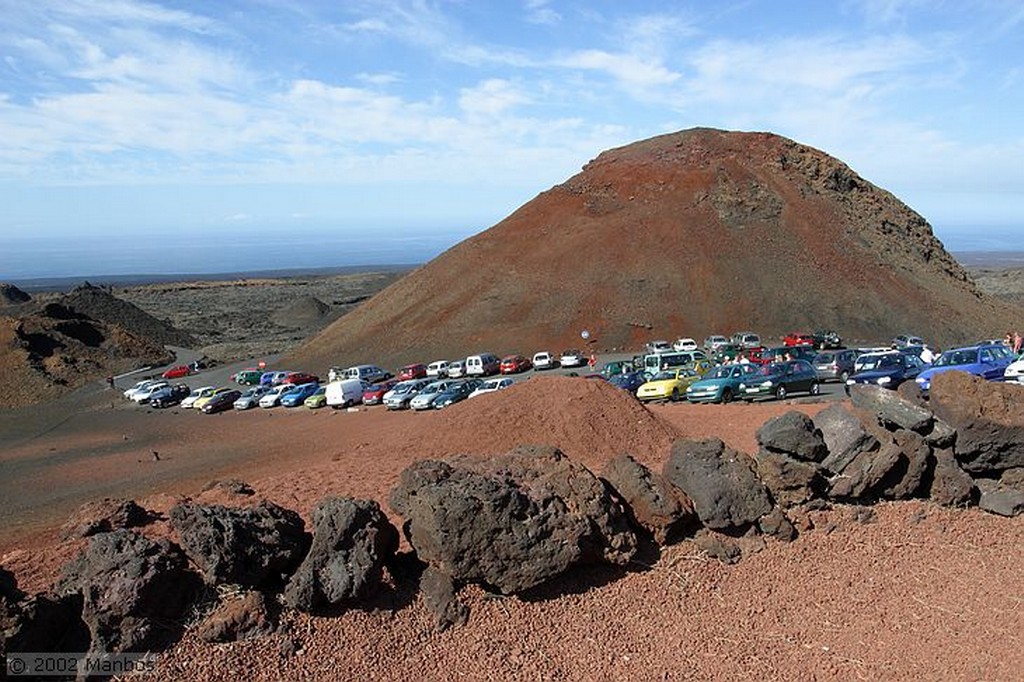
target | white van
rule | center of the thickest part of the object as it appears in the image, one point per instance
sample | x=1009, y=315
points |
x=482, y=365
x=345, y=393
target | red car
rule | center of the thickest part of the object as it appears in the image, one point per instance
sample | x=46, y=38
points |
x=513, y=364
x=417, y=371
x=794, y=339
x=300, y=378
x=374, y=395
x=177, y=372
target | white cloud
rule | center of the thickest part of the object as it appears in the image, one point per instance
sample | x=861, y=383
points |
x=540, y=12
x=629, y=70
x=492, y=97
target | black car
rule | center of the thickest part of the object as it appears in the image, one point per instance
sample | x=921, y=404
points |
x=826, y=339
x=456, y=393
x=171, y=395
x=629, y=381
x=887, y=370
x=779, y=379
x=221, y=402
x=834, y=365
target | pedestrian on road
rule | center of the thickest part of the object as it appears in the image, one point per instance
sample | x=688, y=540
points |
x=1016, y=343
x=110, y=382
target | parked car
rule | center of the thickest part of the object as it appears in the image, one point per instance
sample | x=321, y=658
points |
x=143, y=395
x=482, y=365
x=659, y=362
x=424, y=400
x=248, y=377
x=415, y=371
x=713, y=342
x=274, y=377
x=177, y=372
x=492, y=385
x=721, y=384
x=370, y=374
x=456, y=369
x=888, y=369
x=988, y=362
x=198, y=404
x=904, y=340
x=746, y=340
x=374, y=393
x=141, y=386
x=250, y=398
x=298, y=378
x=834, y=365
x=684, y=344
x=668, y=385
x=438, y=369
x=826, y=339
x=572, y=358
x=220, y=402
x=272, y=398
x=544, y=360
x=797, y=339
x=629, y=381
x=780, y=379
x=197, y=393
x=346, y=392
x=765, y=356
x=297, y=396
x=1015, y=370
x=169, y=395
x=658, y=346
x=398, y=398
x=318, y=399
x=614, y=367
x=457, y=392
x=514, y=364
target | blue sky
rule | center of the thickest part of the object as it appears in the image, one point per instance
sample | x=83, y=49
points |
x=402, y=118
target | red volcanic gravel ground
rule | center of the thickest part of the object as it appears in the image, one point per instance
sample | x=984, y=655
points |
x=915, y=592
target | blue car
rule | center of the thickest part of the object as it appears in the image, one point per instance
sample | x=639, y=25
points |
x=629, y=381
x=721, y=384
x=888, y=369
x=988, y=361
x=298, y=395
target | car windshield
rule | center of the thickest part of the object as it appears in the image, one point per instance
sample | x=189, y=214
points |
x=874, y=362
x=774, y=368
x=665, y=376
x=957, y=357
x=720, y=373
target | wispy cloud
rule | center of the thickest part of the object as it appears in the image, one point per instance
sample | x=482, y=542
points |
x=541, y=12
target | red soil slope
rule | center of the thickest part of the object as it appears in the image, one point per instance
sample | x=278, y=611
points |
x=690, y=233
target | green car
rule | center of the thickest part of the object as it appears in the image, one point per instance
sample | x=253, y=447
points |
x=249, y=377
x=779, y=379
x=721, y=384
x=318, y=399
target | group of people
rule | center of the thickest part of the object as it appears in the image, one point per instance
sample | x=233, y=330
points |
x=1014, y=341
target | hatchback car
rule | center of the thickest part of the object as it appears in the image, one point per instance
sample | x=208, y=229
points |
x=221, y=401
x=667, y=385
x=714, y=342
x=318, y=399
x=544, y=360
x=414, y=371
x=1015, y=370
x=169, y=395
x=721, y=384
x=780, y=379
x=198, y=404
x=248, y=377
x=143, y=395
x=888, y=370
x=514, y=364
x=197, y=393
x=404, y=391
x=456, y=369
x=988, y=362
x=250, y=398
x=424, y=400
x=798, y=339
x=177, y=372
x=297, y=378
x=457, y=392
x=438, y=369
x=684, y=344
x=492, y=385
x=746, y=340
x=572, y=358
x=297, y=396
x=628, y=381
x=904, y=340
x=834, y=365
x=374, y=394
x=272, y=398
x=658, y=346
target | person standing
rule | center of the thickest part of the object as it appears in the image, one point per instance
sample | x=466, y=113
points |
x=1016, y=343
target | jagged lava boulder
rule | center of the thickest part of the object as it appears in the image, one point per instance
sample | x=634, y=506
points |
x=658, y=506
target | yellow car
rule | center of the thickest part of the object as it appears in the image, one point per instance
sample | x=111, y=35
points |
x=668, y=385
x=317, y=400
x=198, y=404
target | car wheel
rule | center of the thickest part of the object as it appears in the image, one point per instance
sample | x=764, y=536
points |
x=726, y=395
x=780, y=392
x=815, y=388
x=675, y=395
x=844, y=376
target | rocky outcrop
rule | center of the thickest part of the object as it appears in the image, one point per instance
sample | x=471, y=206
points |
x=662, y=509
x=791, y=481
x=510, y=522
x=892, y=410
x=795, y=435
x=105, y=516
x=988, y=418
x=133, y=590
x=727, y=494
x=249, y=616
x=352, y=541
x=257, y=546
x=844, y=435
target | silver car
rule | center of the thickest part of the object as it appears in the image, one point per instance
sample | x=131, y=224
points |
x=398, y=398
x=251, y=398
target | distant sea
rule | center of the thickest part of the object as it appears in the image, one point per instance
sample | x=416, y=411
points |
x=35, y=263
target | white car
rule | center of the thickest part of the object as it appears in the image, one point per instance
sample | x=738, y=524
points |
x=456, y=369
x=714, y=342
x=684, y=344
x=251, y=398
x=424, y=400
x=202, y=392
x=1015, y=371
x=658, y=346
x=398, y=397
x=140, y=386
x=544, y=360
x=272, y=398
x=438, y=368
x=492, y=385
x=572, y=358
x=143, y=395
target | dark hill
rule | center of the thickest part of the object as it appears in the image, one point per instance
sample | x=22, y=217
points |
x=12, y=295
x=691, y=233
x=99, y=304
